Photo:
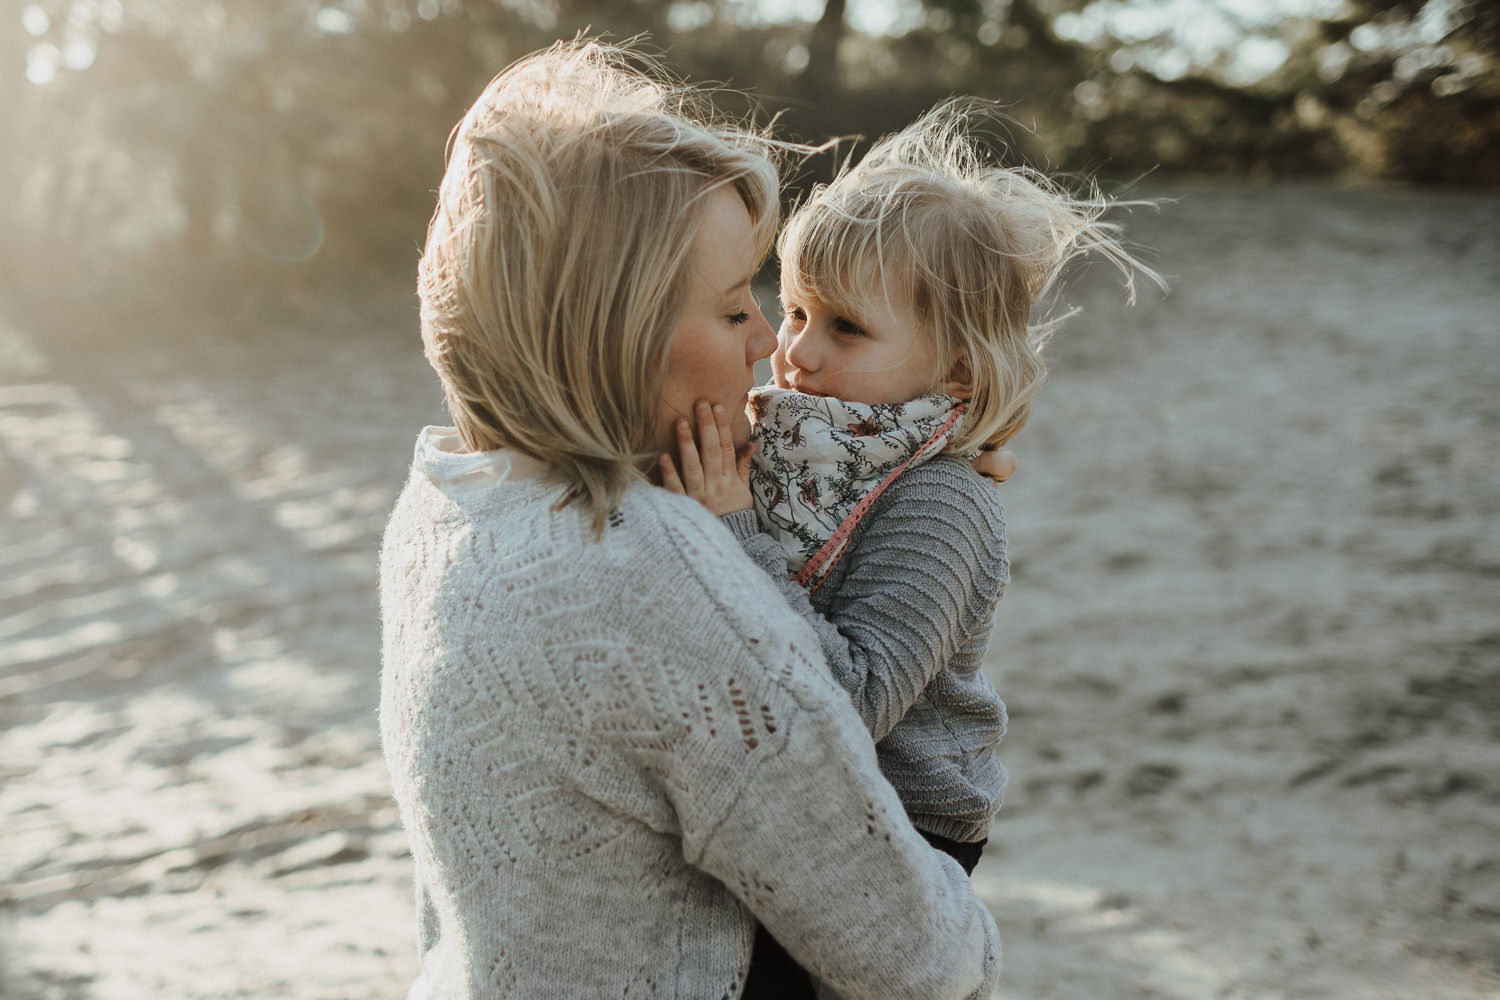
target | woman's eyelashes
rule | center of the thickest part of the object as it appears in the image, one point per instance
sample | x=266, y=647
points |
x=739, y=318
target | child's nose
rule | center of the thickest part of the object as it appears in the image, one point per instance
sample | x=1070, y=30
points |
x=800, y=353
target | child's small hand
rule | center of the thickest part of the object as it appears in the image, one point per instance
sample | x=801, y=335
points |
x=712, y=473
x=997, y=466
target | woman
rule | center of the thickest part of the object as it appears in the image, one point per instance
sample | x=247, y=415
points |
x=613, y=746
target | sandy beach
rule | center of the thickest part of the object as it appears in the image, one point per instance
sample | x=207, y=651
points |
x=1251, y=648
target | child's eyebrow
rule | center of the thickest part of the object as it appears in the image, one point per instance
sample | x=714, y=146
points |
x=848, y=315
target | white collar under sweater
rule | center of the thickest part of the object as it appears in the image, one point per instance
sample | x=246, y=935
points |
x=441, y=457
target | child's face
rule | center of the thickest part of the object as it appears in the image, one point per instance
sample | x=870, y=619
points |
x=863, y=352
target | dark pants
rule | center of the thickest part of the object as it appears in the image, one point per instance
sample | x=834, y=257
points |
x=774, y=975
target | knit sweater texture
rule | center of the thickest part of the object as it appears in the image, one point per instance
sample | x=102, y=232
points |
x=904, y=620
x=612, y=754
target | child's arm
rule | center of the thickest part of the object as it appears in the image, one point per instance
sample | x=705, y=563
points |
x=924, y=577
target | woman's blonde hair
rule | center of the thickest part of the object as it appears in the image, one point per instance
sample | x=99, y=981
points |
x=972, y=245
x=556, y=261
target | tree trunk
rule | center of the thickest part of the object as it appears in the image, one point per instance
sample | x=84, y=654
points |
x=821, y=81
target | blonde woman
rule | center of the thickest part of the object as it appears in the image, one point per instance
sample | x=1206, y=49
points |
x=614, y=746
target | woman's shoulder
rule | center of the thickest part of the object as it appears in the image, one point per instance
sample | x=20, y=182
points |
x=695, y=554
x=664, y=581
x=699, y=597
x=676, y=529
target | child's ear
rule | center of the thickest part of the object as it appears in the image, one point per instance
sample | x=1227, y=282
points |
x=959, y=382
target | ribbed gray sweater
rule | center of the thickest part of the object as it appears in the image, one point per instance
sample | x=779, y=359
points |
x=611, y=755
x=904, y=619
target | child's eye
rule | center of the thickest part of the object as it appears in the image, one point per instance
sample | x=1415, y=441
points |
x=796, y=314
x=844, y=326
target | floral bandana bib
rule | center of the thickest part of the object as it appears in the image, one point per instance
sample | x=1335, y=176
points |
x=820, y=463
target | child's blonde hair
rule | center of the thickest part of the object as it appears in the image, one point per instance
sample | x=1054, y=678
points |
x=556, y=261
x=973, y=245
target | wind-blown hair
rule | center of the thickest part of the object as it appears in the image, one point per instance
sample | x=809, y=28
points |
x=973, y=246
x=556, y=263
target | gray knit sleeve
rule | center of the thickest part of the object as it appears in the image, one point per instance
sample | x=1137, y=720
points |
x=922, y=575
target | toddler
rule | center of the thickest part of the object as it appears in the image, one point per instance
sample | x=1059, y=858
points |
x=907, y=346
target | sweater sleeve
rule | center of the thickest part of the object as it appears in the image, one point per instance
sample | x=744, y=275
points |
x=923, y=572
x=817, y=845
x=780, y=798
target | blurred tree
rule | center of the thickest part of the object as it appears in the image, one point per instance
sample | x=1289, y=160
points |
x=820, y=78
x=224, y=136
x=13, y=46
x=1401, y=89
x=219, y=137
x=1373, y=88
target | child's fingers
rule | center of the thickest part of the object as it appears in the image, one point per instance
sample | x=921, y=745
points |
x=669, y=478
x=688, y=458
x=997, y=465
x=727, y=458
x=710, y=450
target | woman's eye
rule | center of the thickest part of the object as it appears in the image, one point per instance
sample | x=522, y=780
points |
x=738, y=318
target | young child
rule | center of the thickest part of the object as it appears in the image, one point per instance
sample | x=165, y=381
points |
x=907, y=346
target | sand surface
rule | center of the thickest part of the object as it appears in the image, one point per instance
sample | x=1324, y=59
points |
x=1251, y=649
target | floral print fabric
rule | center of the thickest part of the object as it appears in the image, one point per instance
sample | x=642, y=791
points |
x=820, y=462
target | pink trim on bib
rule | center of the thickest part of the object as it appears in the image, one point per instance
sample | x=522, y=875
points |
x=821, y=563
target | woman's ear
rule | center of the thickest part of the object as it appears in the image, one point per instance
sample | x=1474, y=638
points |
x=959, y=382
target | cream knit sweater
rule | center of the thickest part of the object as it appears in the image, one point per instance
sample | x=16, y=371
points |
x=608, y=754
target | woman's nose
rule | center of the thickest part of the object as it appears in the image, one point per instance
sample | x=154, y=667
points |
x=760, y=342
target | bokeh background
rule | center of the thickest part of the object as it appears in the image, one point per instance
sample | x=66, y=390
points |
x=198, y=144
x=1251, y=648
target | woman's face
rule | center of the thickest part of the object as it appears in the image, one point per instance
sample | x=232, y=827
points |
x=722, y=332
